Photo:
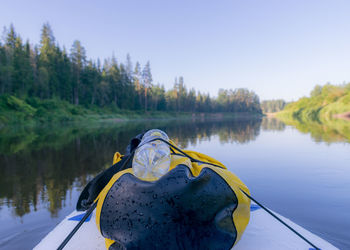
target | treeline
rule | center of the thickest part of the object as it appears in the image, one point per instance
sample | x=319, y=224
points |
x=271, y=106
x=47, y=71
x=325, y=102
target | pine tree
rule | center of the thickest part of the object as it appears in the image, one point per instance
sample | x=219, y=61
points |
x=128, y=67
x=78, y=59
x=47, y=68
x=2, y=69
x=11, y=37
x=8, y=68
x=17, y=75
x=146, y=80
x=63, y=68
x=28, y=74
x=137, y=83
x=191, y=100
x=182, y=99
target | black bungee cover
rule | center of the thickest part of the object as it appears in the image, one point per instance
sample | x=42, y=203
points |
x=178, y=211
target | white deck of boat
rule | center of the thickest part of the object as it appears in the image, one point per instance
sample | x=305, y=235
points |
x=263, y=232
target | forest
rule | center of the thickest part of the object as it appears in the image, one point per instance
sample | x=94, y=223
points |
x=32, y=74
x=271, y=106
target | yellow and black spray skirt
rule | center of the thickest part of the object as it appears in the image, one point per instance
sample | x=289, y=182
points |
x=196, y=205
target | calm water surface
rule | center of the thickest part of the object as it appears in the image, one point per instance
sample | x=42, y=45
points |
x=304, y=176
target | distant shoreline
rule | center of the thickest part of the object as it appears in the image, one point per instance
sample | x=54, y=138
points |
x=271, y=114
x=58, y=112
x=32, y=111
x=345, y=116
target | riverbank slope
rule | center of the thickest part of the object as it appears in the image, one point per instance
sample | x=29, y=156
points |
x=35, y=111
x=325, y=103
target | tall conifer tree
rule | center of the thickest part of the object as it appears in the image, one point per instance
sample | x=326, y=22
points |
x=78, y=58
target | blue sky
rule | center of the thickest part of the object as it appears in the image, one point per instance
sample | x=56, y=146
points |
x=279, y=49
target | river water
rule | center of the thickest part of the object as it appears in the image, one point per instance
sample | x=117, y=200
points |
x=302, y=175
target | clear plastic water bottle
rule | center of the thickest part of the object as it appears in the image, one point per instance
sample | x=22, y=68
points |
x=152, y=159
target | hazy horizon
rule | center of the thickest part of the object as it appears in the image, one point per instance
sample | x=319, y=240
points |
x=278, y=49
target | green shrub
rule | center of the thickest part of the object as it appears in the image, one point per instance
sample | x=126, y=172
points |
x=12, y=103
x=323, y=104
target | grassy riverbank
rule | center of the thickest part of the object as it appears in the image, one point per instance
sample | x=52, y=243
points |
x=325, y=103
x=35, y=111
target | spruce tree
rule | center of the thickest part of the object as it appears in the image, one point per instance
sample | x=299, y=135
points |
x=137, y=83
x=146, y=80
x=47, y=68
x=78, y=59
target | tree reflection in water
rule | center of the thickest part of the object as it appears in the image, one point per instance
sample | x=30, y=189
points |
x=272, y=124
x=324, y=130
x=41, y=165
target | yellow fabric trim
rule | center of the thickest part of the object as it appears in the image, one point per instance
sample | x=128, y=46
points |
x=101, y=197
x=108, y=242
x=203, y=157
x=177, y=159
x=241, y=215
x=117, y=157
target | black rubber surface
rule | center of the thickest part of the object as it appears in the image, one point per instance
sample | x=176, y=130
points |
x=178, y=211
